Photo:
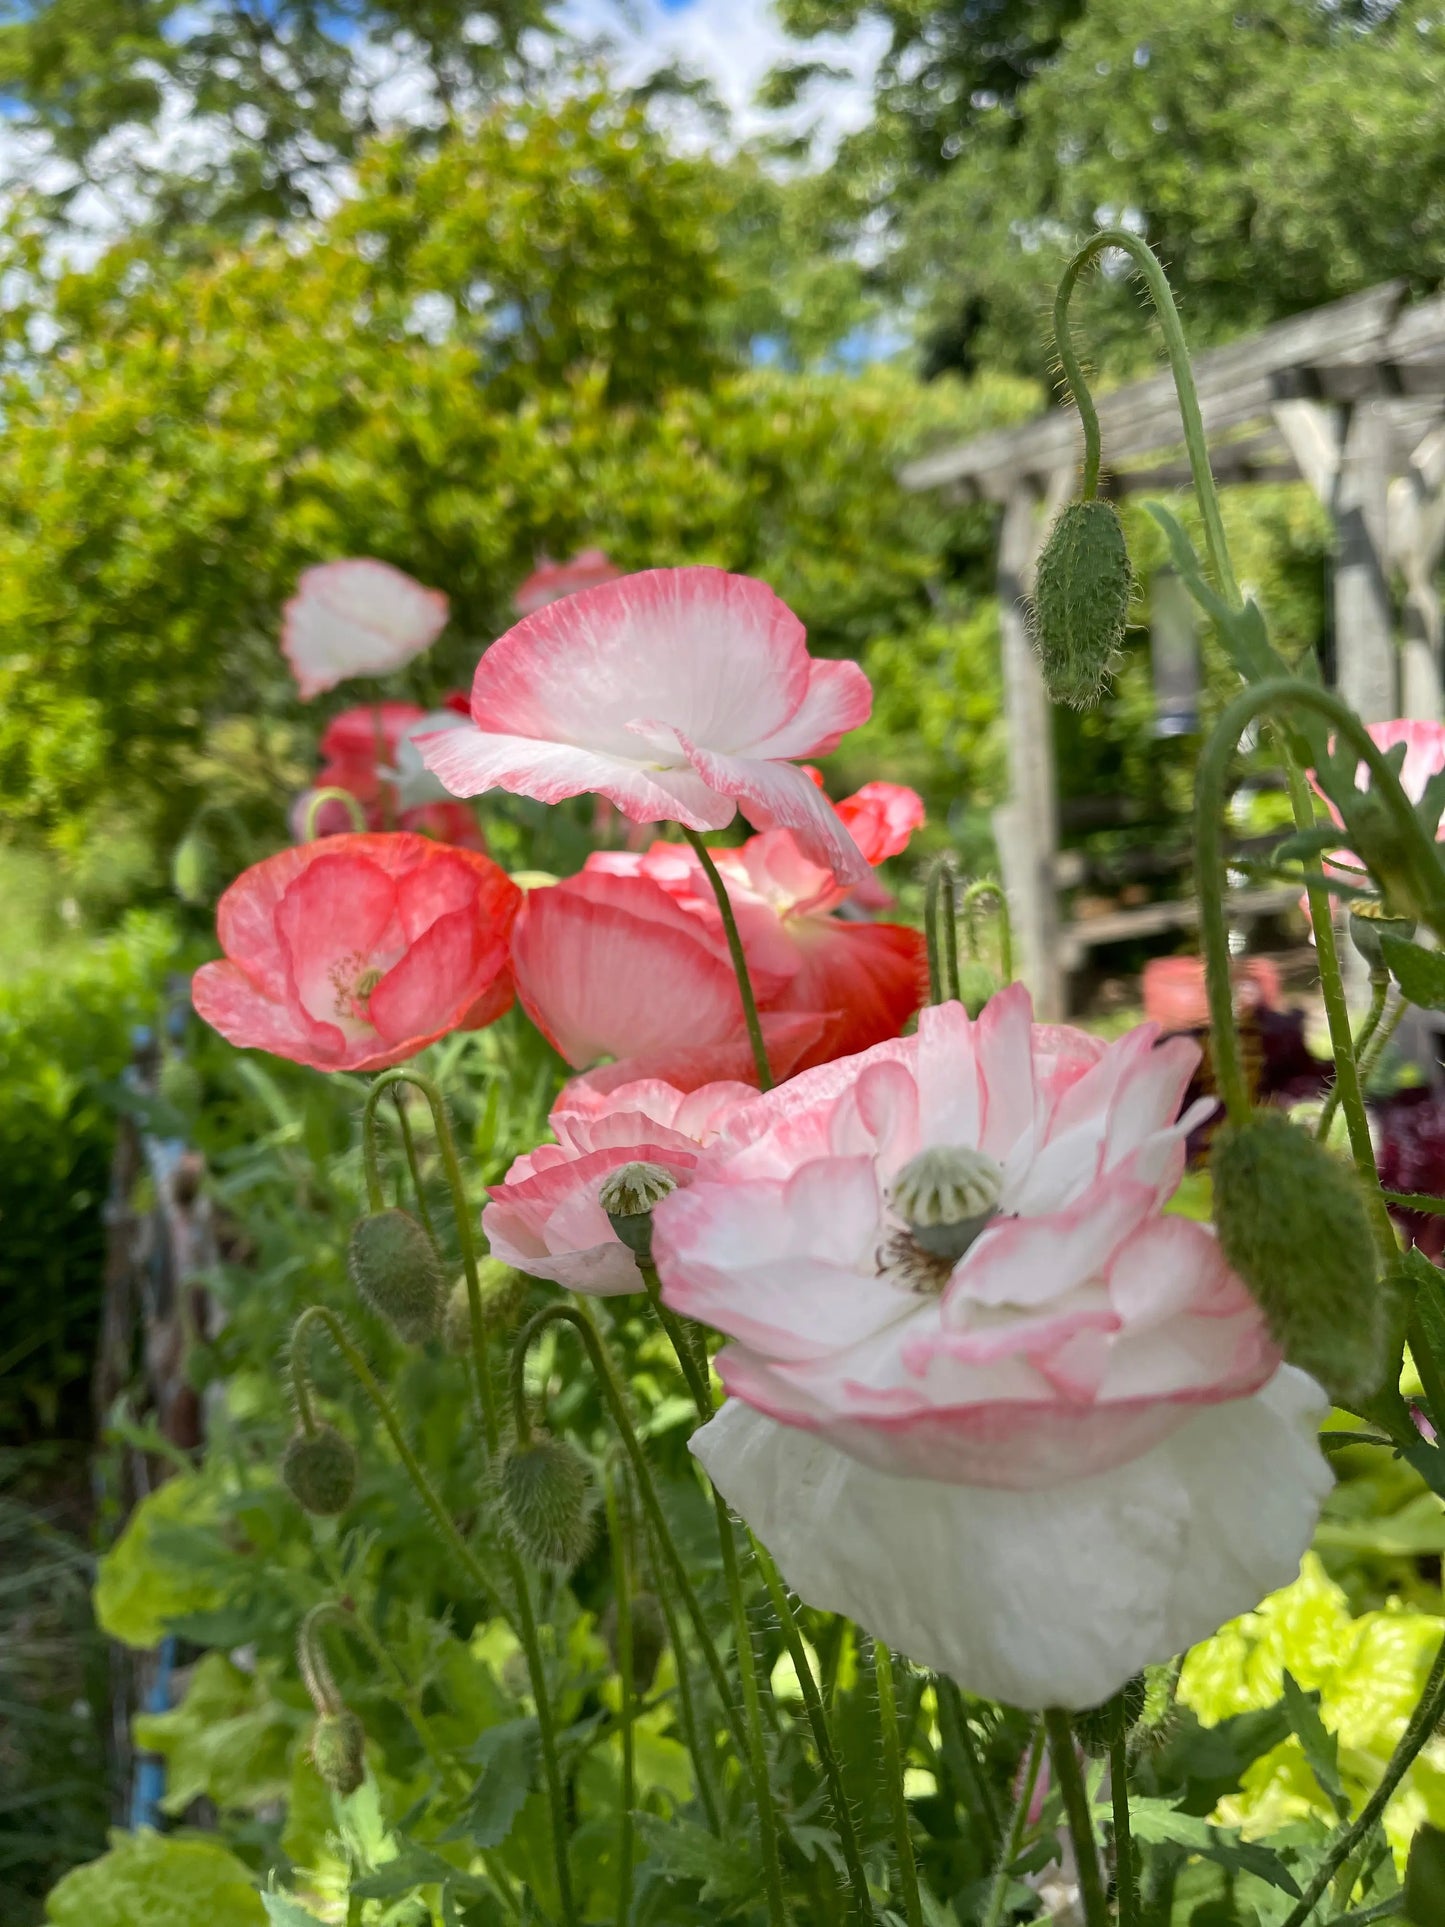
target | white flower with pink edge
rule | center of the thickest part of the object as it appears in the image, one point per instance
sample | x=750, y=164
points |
x=358, y=617
x=1058, y=1450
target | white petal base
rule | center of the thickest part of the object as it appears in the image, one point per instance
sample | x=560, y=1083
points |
x=1046, y=1597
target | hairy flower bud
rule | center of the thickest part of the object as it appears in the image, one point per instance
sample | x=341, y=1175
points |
x=1369, y=921
x=1081, y=602
x=395, y=1268
x=338, y=1750
x=976, y=984
x=649, y=1637
x=503, y=1292
x=946, y=1195
x=319, y=1471
x=549, y=1499
x=1293, y=1223
x=1097, y=1727
x=628, y=1196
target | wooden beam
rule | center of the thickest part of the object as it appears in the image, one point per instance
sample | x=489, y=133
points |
x=1365, y=661
x=1416, y=531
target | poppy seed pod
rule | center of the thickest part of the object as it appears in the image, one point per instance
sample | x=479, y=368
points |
x=1081, y=602
x=549, y=1499
x=503, y=1293
x=946, y=1195
x=319, y=1471
x=628, y=1196
x=395, y=1268
x=649, y=1637
x=338, y=1750
x=1369, y=921
x=1293, y=1223
x=1098, y=1727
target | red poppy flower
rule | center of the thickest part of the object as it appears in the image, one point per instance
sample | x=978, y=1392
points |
x=355, y=952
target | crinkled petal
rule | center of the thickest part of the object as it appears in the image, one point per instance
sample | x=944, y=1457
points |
x=358, y=617
x=779, y=795
x=467, y=762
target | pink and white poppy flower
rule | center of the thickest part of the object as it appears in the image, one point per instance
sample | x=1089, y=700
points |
x=356, y=951
x=1062, y=1448
x=679, y=695
x=550, y=580
x=545, y=1218
x=359, y=617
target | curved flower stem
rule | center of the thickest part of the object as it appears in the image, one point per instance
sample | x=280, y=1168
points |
x=1370, y=1023
x=893, y=1776
x=1415, y=1201
x=413, y=1163
x=686, y=1706
x=519, y=1581
x=695, y=1373
x=1125, y=1888
x=954, y=1730
x=1028, y=1779
x=312, y=1663
x=323, y=1316
x=622, y=1593
x=1150, y=269
x=1421, y=1725
x=740, y=962
x=1380, y=1042
x=319, y=797
x=1076, y=1807
x=976, y=891
x=940, y=931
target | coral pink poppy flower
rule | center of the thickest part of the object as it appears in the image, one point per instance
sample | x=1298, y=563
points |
x=1028, y=1455
x=545, y=1219
x=359, y=617
x=678, y=694
x=610, y=966
x=354, y=952
x=370, y=752
x=550, y=581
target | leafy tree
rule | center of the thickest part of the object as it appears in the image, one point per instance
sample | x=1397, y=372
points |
x=239, y=110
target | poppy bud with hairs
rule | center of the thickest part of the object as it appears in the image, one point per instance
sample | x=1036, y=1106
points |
x=649, y=1637
x=1081, y=602
x=395, y=1267
x=549, y=1498
x=1098, y=1727
x=338, y=1750
x=503, y=1292
x=1293, y=1222
x=319, y=1471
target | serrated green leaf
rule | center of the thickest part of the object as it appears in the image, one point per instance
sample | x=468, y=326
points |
x=1158, y=1822
x=1420, y=973
x=1424, y=1896
x=508, y=1755
x=283, y=1911
x=678, y=1848
x=153, y=1880
x=1321, y=1747
x=415, y=1866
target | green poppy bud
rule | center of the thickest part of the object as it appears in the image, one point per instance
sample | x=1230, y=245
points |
x=628, y=1195
x=338, y=1750
x=319, y=1471
x=395, y=1268
x=1293, y=1223
x=1081, y=602
x=503, y=1293
x=649, y=1638
x=1097, y=1727
x=194, y=867
x=550, y=1501
x=976, y=984
x=946, y=1195
x=1369, y=921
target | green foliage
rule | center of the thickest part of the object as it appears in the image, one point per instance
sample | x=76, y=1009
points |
x=148, y=1579
x=151, y=1880
x=229, y=1740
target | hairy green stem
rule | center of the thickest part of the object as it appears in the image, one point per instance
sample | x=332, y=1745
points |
x=1126, y=1891
x=1029, y=1768
x=622, y=1594
x=893, y=1779
x=1415, y=1201
x=1380, y=1042
x=1369, y=1024
x=740, y=962
x=975, y=893
x=1195, y=441
x=954, y=1729
x=1421, y=1726
x=692, y=1734
x=1060, y=1730
x=413, y=1163
x=315, y=802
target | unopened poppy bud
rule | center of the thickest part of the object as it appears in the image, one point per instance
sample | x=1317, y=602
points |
x=319, y=1471
x=1081, y=602
x=1098, y=1727
x=628, y=1195
x=649, y=1637
x=1293, y=1222
x=503, y=1293
x=946, y=1195
x=549, y=1500
x=976, y=984
x=395, y=1268
x=1369, y=921
x=338, y=1750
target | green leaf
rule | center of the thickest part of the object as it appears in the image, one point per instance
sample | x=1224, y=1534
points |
x=1424, y=1901
x=283, y=1911
x=678, y=1848
x=1419, y=973
x=508, y=1755
x=415, y=1866
x=1321, y=1747
x=153, y=1880
x=139, y=1591
x=1158, y=1822
x=227, y=1741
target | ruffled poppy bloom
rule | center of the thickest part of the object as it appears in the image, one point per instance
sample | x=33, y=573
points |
x=546, y=1220
x=370, y=752
x=357, y=618
x=1013, y=1419
x=868, y=978
x=550, y=581
x=678, y=694
x=1424, y=758
x=355, y=952
x=611, y=967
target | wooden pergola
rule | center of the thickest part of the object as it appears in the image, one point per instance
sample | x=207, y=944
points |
x=1349, y=398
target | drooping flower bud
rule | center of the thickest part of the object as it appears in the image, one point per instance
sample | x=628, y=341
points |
x=628, y=1196
x=976, y=984
x=1293, y=1223
x=1097, y=1727
x=319, y=1471
x=549, y=1498
x=946, y=1195
x=338, y=1749
x=1081, y=602
x=504, y=1291
x=1369, y=921
x=395, y=1268
x=649, y=1637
